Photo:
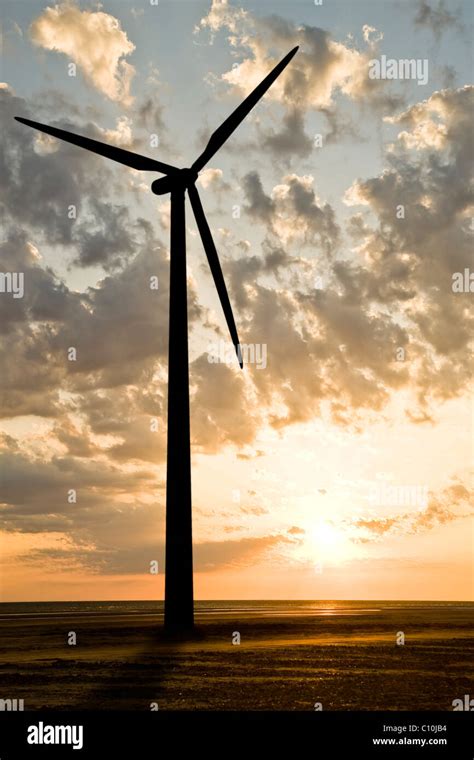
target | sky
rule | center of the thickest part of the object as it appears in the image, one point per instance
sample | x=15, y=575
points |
x=337, y=464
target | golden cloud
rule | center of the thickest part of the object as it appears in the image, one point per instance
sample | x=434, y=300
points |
x=94, y=41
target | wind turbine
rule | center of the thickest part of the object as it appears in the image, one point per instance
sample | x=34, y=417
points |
x=179, y=607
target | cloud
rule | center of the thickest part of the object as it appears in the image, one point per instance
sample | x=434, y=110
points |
x=434, y=123
x=116, y=524
x=214, y=555
x=371, y=34
x=118, y=328
x=39, y=186
x=106, y=237
x=436, y=18
x=259, y=205
x=321, y=67
x=291, y=139
x=220, y=15
x=292, y=212
x=322, y=70
x=328, y=348
x=122, y=134
x=295, y=531
x=113, y=527
x=409, y=262
x=105, y=559
x=223, y=406
x=385, y=316
x=150, y=114
x=31, y=377
x=94, y=40
x=212, y=178
x=61, y=192
x=64, y=194
x=35, y=490
x=455, y=502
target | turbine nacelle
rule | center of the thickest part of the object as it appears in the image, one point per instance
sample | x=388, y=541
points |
x=182, y=179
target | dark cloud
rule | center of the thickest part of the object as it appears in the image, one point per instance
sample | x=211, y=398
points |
x=34, y=491
x=31, y=376
x=437, y=18
x=38, y=188
x=62, y=192
x=150, y=116
x=119, y=328
x=291, y=139
x=340, y=126
x=107, y=239
x=259, y=205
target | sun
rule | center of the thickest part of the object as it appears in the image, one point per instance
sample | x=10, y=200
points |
x=327, y=543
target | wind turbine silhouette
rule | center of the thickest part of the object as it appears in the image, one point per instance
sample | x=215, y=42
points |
x=179, y=605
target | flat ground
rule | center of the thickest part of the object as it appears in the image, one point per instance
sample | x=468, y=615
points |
x=284, y=662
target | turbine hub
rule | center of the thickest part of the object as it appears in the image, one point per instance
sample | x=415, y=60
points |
x=179, y=181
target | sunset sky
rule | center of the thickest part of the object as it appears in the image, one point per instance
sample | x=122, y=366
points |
x=341, y=210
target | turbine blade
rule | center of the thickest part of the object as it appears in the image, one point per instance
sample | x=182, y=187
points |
x=225, y=130
x=215, y=267
x=134, y=160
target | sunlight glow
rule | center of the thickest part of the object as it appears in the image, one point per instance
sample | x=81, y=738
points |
x=327, y=543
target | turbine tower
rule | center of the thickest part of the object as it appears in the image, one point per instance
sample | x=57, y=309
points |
x=179, y=604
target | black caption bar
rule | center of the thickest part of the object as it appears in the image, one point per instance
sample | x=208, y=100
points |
x=143, y=734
